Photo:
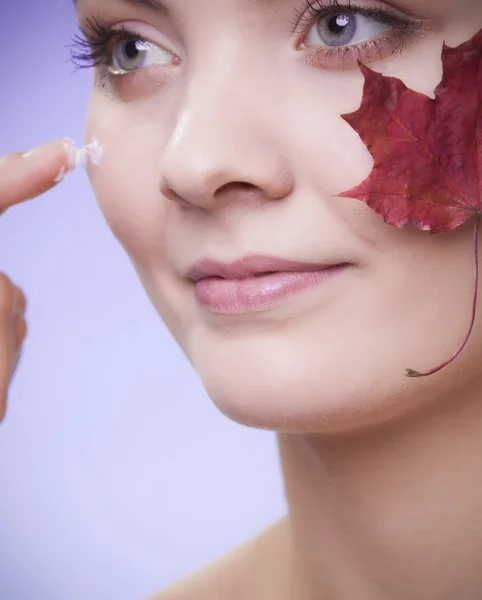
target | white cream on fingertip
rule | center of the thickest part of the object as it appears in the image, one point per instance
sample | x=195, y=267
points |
x=90, y=153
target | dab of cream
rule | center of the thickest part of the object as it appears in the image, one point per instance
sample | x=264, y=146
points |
x=90, y=153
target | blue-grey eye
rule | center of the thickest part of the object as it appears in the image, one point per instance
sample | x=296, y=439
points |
x=344, y=29
x=131, y=55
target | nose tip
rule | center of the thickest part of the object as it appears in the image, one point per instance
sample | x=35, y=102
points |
x=212, y=153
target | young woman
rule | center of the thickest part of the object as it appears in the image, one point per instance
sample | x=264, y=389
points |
x=223, y=154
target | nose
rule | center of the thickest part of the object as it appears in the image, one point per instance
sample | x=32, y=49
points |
x=224, y=140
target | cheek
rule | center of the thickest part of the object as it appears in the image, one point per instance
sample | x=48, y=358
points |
x=135, y=215
x=126, y=186
x=327, y=154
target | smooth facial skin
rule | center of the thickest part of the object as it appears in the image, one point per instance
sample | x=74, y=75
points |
x=239, y=150
x=229, y=142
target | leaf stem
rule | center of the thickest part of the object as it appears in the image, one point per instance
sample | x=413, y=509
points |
x=411, y=372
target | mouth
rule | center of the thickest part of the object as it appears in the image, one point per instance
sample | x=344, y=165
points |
x=256, y=283
x=252, y=267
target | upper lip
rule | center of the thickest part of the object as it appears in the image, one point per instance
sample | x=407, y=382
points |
x=250, y=266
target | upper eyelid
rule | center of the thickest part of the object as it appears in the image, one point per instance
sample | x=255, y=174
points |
x=316, y=8
x=313, y=9
x=95, y=29
x=99, y=36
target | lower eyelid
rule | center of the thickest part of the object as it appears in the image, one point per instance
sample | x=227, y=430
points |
x=347, y=56
x=134, y=84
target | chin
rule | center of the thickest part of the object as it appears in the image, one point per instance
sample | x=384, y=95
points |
x=289, y=385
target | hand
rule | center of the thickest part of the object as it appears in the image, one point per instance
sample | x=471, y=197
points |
x=23, y=177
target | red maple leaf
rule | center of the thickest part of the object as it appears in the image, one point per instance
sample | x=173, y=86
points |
x=427, y=152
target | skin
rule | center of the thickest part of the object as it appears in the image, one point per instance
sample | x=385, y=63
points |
x=240, y=149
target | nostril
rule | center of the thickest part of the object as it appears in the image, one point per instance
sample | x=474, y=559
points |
x=236, y=185
x=168, y=192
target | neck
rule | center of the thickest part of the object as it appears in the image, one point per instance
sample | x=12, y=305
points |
x=393, y=513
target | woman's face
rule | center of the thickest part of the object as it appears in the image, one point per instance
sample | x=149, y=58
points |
x=223, y=139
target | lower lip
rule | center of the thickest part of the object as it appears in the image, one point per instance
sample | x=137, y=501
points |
x=231, y=296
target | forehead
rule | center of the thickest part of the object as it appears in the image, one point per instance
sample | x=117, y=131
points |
x=431, y=5
x=458, y=10
x=165, y=4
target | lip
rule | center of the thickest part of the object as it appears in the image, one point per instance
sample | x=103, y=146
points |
x=248, y=267
x=256, y=283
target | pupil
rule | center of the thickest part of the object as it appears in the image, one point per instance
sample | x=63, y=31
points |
x=131, y=50
x=338, y=23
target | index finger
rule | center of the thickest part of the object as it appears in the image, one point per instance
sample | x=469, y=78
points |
x=25, y=176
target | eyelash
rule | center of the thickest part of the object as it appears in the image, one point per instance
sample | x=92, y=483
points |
x=91, y=47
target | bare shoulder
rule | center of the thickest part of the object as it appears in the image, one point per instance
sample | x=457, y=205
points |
x=247, y=572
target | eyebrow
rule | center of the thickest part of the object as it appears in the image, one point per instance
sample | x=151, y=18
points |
x=158, y=5
x=151, y=4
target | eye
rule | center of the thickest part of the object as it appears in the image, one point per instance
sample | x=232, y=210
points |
x=133, y=54
x=344, y=29
x=338, y=33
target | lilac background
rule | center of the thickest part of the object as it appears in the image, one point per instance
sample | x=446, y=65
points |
x=117, y=474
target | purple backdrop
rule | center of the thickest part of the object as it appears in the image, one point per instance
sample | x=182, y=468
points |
x=117, y=475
